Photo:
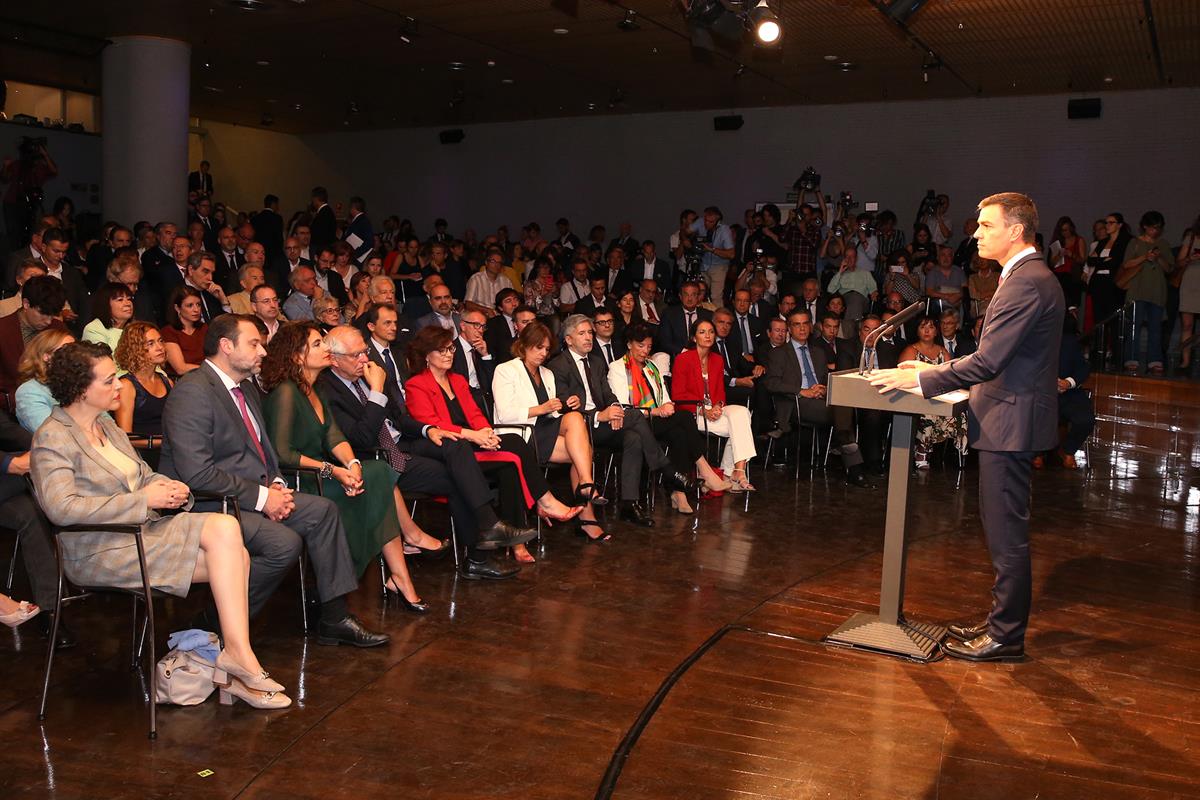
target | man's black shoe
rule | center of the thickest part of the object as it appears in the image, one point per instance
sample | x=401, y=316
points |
x=984, y=648
x=489, y=570
x=65, y=640
x=349, y=631
x=503, y=535
x=632, y=511
x=965, y=633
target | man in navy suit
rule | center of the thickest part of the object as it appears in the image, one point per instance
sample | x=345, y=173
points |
x=648, y=266
x=1011, y=415
x=675, y=331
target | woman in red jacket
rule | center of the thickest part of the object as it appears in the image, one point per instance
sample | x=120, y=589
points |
x=698, y=385
x=440, y=397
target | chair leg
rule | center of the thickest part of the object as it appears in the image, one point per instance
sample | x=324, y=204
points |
x=303, y=594
x=454, y=541
x=58, y=596
x=153, y=700
x=12, y=566
x=383, y=577
x=133, y=635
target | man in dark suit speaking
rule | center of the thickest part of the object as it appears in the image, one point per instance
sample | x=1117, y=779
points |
x=1011, y=415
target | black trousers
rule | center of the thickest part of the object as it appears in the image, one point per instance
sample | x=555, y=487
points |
x=1004, y=493
x=637, y=444
x=814, y=411
x=21, y=513
x=679, y=432
x=450, y=470
x=1075, y=409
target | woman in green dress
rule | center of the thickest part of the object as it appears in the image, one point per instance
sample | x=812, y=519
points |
x=305, y=435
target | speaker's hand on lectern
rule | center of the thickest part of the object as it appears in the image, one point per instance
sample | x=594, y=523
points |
x=904, y=377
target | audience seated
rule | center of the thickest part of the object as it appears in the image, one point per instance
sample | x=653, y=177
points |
x=42, y=301
x=424, y=457
x=636, y=382
x=326, y=313
x=607, y=343
x=525, y=394
x=33, y=398
x=183, y=335
x=142, y=355
x=677, y=321
x=698, y=381
x=501, y=330
x=797, y=377
x=248, y=277
x=24, y=271
x=440, y=397
x=86, y=471
x=112, y=309
x=474, y=359
x=957, y=342
x=931, y=430
x=298, y=305
x=215, y=440
x=305, y=434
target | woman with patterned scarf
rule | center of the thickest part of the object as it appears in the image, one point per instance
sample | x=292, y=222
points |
x=637, y=382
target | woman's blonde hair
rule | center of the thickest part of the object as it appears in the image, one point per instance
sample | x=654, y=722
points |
x=33, y=363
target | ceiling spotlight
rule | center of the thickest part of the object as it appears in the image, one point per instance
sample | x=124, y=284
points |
x=847, y=66
x=263, y=63
x=561, y=31
x=1108, y=78
x=297, y=107
x=764, y=22
x=629, y=23
x=741, y=70
x=507, y=81
x=408, y=30
x=457, y=66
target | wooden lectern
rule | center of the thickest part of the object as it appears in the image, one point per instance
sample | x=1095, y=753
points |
x=889, y=632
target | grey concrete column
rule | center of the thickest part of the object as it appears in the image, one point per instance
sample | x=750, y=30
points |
x=145, y=102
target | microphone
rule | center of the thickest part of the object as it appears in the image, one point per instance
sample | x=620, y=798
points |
x=892, y=324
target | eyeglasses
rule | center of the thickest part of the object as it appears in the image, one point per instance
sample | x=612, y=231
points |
x=352, y=356
x=604, y=322
x=474, y=324
x=448, y=350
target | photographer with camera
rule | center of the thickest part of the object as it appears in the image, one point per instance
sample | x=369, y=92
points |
x=687, y=258
x=802, y=239
x=25, y=176
x=934, y=214
x=714, y=240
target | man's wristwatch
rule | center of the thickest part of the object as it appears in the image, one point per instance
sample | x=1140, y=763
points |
x=326, y=470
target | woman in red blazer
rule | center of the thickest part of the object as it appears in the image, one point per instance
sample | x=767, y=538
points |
x=438, y=396
x=698, y=386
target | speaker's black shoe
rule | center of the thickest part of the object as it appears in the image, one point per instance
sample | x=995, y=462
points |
x=984, y=648
x=64, y=640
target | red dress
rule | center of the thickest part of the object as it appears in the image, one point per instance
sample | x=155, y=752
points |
x=190, y=344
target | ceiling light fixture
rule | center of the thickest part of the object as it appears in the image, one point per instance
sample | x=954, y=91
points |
x=457, y=66
x=629, y=23
x=831, y=58
x=263, y=63
x=561, y=31
x=847, y=66
x=507, y=81
x=408, y=30
x=765, y=23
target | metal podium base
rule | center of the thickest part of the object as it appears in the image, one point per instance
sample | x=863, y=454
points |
x=916, y=641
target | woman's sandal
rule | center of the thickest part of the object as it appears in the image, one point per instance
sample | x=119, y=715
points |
x=25, y=611
x=592, y=495
x=584, y=524
x=740, y=484
x=521, y=555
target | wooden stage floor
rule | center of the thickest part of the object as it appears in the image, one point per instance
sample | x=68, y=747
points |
x=525, y=689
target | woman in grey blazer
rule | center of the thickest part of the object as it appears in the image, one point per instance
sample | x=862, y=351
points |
x=84, y=470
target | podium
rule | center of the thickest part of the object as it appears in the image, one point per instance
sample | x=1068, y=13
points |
x=888, y=632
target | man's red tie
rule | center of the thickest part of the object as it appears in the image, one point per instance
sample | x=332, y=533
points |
x=240, y=396
x=650, y=311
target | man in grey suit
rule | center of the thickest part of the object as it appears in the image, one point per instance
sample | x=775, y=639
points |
x=214, y=439
x=1011, y=415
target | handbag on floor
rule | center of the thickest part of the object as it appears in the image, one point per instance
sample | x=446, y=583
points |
x=185, y=677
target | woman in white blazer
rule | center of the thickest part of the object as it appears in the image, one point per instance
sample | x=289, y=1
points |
x=524, y=394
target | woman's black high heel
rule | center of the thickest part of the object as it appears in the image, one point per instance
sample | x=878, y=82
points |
x=419, y=607
x=592, y=495
x=584, y=524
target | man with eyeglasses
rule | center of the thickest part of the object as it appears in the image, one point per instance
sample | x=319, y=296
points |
x=424, y=458
x=607, y=343
x=485, y=284
x=472, y=359
x=264, y=302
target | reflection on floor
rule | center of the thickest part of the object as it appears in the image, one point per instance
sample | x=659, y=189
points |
x=523, y=690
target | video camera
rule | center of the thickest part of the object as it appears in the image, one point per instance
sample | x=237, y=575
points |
x=929, y=205
x=809, y=181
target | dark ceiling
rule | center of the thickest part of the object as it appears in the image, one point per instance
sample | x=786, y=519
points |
x=320, y=65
